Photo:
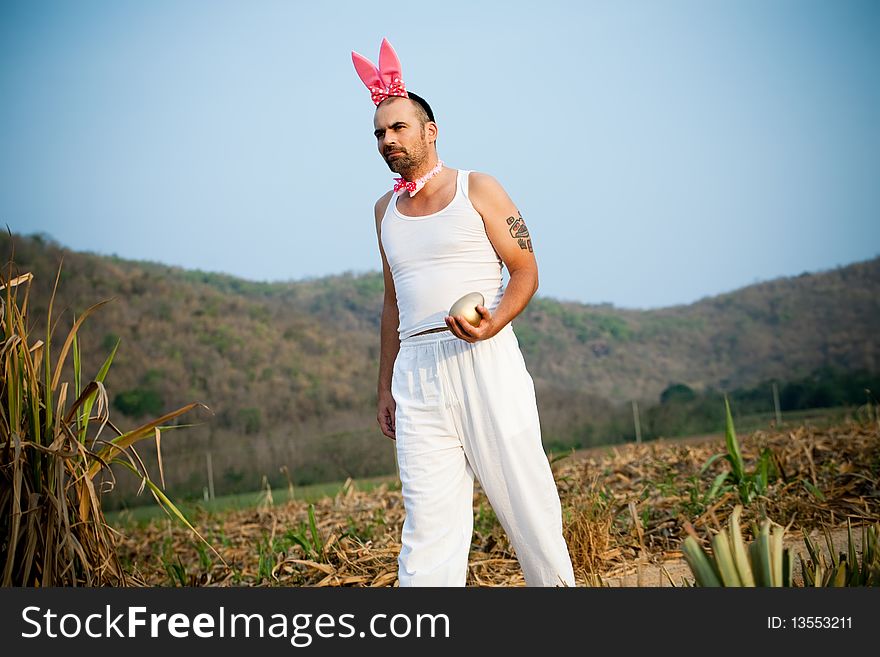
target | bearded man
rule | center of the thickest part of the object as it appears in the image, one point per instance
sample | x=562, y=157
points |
x=455, y=397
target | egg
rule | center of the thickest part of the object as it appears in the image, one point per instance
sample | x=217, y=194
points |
x=467, y=307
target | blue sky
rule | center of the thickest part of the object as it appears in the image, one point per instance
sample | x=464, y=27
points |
x=660, y=152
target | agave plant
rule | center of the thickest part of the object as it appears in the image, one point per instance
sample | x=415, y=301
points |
x=765, y=562
x=52, y=527
x=844, y=568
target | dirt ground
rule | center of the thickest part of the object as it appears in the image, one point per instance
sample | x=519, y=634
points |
x=656, y=572
x=628, y=508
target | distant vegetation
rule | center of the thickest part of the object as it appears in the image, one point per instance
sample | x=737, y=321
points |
x=682, y=411
x=289, y=368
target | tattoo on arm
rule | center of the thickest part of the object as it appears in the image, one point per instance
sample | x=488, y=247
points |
x=519, y=232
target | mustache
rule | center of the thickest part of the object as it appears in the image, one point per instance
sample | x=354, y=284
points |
x=392, y=151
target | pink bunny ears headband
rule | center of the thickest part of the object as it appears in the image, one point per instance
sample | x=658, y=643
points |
x=384, y=81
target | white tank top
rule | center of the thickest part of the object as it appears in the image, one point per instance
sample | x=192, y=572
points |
x=438, y=258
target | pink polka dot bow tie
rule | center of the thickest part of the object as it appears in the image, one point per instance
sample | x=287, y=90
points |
x=413, y=186
x=384, y=81
x=408, y=185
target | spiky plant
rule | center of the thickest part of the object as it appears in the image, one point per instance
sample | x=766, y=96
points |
x=52, y=527
x=733, y=563
x=748, y=484
x=843, y=569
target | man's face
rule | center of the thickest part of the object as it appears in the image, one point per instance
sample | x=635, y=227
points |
x=400, y=137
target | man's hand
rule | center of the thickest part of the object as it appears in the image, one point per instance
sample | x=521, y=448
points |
x=385, y=414
x=467, y=331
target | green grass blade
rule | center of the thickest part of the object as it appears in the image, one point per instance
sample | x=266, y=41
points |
x=733, y=451
x=815, y=492
x=700, y=565
x=829, y=542
x=852, y=558
x=313, y=528
x=102, y=373
x=716, y=485
x=87, y=406
x=710, y=461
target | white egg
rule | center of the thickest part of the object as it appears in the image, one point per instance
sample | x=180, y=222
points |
x=467, y=307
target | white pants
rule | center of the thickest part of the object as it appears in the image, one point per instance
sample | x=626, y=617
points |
x=463, y=410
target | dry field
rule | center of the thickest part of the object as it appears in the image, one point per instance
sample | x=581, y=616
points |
x=625, y=511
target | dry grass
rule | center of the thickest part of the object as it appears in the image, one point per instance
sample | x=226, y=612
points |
x=588, y=524
x=625, y=507
x=52, y=446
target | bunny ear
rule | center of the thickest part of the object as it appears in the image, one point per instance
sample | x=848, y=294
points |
x=366, y=70
x=389, y=64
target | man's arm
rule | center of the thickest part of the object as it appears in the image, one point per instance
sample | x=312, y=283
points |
x=507, y=231
x=389, y=337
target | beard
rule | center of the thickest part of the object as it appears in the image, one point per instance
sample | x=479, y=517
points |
x=408, y=161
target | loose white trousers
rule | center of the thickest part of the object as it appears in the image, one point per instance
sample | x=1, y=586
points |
x=464, y=410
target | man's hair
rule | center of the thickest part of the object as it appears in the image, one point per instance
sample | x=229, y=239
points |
x=422, y=108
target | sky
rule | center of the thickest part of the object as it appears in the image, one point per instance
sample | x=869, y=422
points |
x=660, y=152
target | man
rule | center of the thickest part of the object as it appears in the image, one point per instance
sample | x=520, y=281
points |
x=456, y=398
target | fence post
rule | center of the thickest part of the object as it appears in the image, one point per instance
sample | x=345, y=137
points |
x=636, y=421
x=776, y=405
x=210, y=476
